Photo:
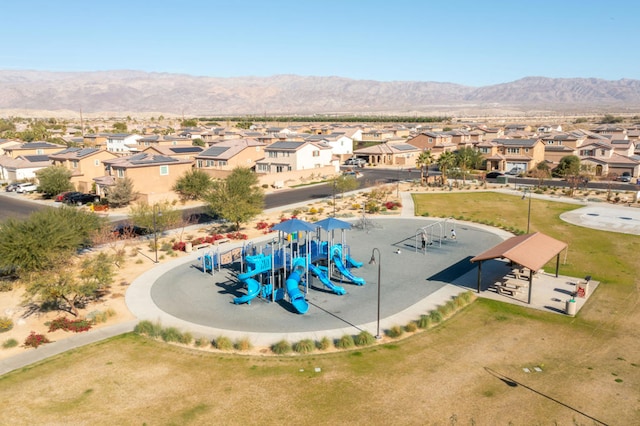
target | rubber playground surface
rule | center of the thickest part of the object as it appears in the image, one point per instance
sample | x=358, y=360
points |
x=181, y=294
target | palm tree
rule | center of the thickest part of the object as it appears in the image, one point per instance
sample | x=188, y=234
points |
x=446, y=160
x=424, y=160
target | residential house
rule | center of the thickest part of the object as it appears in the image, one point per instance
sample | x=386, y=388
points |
x=341, y=145
x=189, y=152
x=32, y=148
x=559, y=145
x=85, y=164
x=95, y=139
x=392, y=153
x=7, y=143
x=436, y=142
x=518, y=154
x=295, y=161
x=153, y=176
x=123, y=143
x=22, y=167
x=162, y=140
x=220, y=159
x=603, y=159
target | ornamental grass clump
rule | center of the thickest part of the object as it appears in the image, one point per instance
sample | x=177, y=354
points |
x=395, y=331
x=435, y=316
x=345, y=342
x=243, y=344
x=223, y=343
x=9, y=343
x=364, y=338
x=171, y=335
x=411, y=327
x=148, y=328
x=202, y=342
x=424, y=322
x=282, y=347
x=304, y=346
x=324, y=343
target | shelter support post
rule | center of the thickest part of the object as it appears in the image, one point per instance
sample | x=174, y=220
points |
x=479, y=276
x=557, y=264
x=530, y=285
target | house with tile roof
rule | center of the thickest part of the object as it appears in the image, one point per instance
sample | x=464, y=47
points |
x=520, y=154
x=604, y=161
x=153, y=175
x=391, y=153
x=85, y=164
x=221, y=158
x=22, y=167
x=32, y=148
x=436, y=142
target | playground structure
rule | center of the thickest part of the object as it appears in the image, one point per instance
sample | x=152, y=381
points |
x=435, y=233
x=288, y=263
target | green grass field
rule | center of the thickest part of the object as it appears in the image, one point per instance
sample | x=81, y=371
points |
x=468, y=370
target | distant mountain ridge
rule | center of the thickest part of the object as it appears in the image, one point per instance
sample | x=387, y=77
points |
x=139, y=92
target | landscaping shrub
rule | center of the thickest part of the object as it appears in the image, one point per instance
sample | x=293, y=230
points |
x=411, y=327
x=445, y=310
x=34, y=340
x=171, y=334
x=243, y=344
x=6, y=324
x=282, y=347
x=304, y=346
x=148, y=328
x=324, y=343
x=187, y=338
x=364, y=338
x=345, y=342
x=76, y=325
x=9, y=343
x=223, y=343
x=424, y=321
x=395, y=331
x=467, y=297
x=201, y=342
x=435, y=316
x=451, y=305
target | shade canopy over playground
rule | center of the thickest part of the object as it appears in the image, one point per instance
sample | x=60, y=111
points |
x=331, y=223
x=294, y=225
x=532, y=251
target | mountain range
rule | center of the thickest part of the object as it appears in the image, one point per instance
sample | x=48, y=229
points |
x=137, y=92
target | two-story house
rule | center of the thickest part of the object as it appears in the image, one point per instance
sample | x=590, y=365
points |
x=392, y=153
x=602, y=159
x=436, y=142
x=292, y=160
x=85, y=165
x=341, y=145
x=221, y=158
x=123, y=143
x=516, y=155
x=162, y=140
x=153, y=176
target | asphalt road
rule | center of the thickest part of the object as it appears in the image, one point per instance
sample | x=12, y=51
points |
x=11, y=206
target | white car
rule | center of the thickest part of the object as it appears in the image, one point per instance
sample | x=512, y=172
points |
x=27, y=187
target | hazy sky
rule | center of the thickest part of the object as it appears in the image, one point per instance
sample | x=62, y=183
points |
x=473, y=42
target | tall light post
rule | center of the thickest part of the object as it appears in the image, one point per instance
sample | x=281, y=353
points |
x=155, y=234
x=529, y=212
x=373, y=262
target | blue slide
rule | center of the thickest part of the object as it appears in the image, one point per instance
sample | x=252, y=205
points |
x=253, y=290
x=293, y=281
x=336, y=252
x=318, y=272
x=353, y=263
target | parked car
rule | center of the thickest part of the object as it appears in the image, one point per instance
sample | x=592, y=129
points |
x=60, y=197
x=12, y=187
x=493, y=175
x=624, y=177
x=360, y=162
x=515, y=171
x=80, y=199
x=127, y=230
x=27, y=187
x=64, y=197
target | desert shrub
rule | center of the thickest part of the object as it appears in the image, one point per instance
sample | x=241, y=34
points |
x=411, y=327
x=395, y=331
x=313, y=210
x=243, y=344
x=139, y=262
x=445, y=309
x=9, y=343
x=324, y=343
x=223, y=343
x=345, y=342
x=6, y=324
x=304, y=346
x=34, y=340
x=201, y=342
x=171, y=334
x=187, y=338
x=435, y=316
x=166, y=246
x=467, y=297
x=148, y=328
x=424, y=321
x=451, y=305
x=6, y=285
x=76, y=325
x=364, y=338
x=282, y=347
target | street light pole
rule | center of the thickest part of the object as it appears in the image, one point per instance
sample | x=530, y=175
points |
x=529, y=212
x=373, y=262
x=155, y=234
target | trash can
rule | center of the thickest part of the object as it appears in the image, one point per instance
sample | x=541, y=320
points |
x=188, y=247
x=571, y=307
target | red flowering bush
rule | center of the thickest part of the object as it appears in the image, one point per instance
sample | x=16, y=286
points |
x=237, y=236
x=392, y=205
x=76, y=325
x=34, y=340
x=179, y=246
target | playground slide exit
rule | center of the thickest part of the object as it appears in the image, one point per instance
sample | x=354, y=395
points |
x=293, y=281
x=337, y=260
x=326, y=281
x=253, y=289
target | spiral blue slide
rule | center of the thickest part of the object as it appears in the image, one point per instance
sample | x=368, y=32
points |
x=253, y=289
x=293, y=281
x=325, y=280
